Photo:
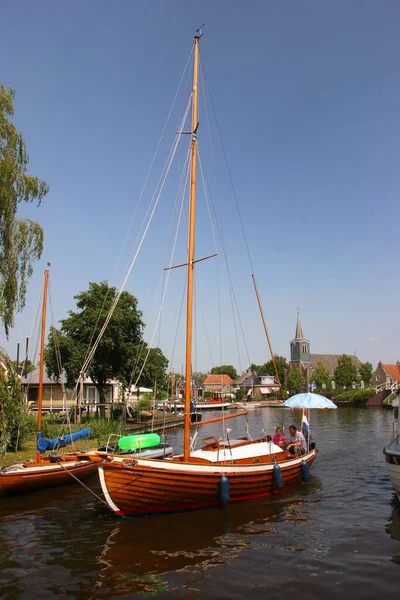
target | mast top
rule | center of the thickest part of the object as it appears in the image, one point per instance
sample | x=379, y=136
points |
x=199, y=32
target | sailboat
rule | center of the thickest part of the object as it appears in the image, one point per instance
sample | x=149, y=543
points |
x=392, y=450
x=220, y=472
x=52, y=470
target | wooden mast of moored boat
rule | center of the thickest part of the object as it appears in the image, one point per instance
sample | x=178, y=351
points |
x=43, y=331
x=190, y=265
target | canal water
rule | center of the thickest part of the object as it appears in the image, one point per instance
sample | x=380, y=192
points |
x=336, y=537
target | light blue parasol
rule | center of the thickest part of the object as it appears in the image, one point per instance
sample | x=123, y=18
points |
x=308, y=400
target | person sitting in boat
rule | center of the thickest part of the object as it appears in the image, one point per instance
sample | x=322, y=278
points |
x=297, y=442
x=279, y=439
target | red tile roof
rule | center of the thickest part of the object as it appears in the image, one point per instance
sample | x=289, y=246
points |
x=217, y=380
x=393, y=371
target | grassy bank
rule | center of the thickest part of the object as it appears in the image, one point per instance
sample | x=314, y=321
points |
x=101, y=429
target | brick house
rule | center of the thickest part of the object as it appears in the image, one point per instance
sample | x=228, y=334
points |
x=220, y=384
x=386, y=375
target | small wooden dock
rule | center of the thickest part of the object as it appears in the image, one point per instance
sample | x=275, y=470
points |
x=157, y=424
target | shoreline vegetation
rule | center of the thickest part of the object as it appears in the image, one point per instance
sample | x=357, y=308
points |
x=102, y=428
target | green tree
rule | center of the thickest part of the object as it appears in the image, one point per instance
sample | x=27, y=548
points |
x=321, y=376
x=225, y=370
x=345, y=372
x=24, y=366
x=154, y=374
x=199, y=376
x=11, y=407
x=114, y=355
x=281, y=365
x=295, y=381
x=365, y=371
x=21, y=240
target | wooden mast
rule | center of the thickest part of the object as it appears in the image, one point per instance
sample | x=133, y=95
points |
x=42, y=338
x=266, y=333
x=190, y=265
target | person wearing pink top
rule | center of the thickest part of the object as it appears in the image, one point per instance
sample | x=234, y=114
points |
x=279, y=439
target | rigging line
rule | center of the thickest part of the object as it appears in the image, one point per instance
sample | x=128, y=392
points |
x=35, y=328
x=165, y=170
x=181, y=193
x=154, y=158
x=231, y=287
x=58, y=360
x=179, y=320
x=207, y=337
x=221, y=221
x=178, y=208
x=83, y=484
x=111, y=311
x=229, y=173
x=90, y=354
x=143, y=188
x=168, y=275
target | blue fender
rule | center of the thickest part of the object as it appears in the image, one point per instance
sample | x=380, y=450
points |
x=305, y=471
x=278, y=476
x=224, y=490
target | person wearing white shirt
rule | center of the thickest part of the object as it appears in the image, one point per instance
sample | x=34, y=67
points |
x=297, y=442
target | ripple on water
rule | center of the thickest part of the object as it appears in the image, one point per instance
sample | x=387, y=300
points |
x=338, y=535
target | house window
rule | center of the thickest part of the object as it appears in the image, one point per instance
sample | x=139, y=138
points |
x=90, y=395
x=305, y=348
x=294, y=349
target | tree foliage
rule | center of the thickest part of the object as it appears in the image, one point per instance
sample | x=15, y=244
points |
x=12, y=414
x=154, y=374
x=281, y=365
x=117, y=353
x=345, y=372
x=295, y=381
x=268, y=367
x=225, y=370
x=26, y=366
x=21, y=240
x=365, y=371
x=321, y=376
x=199, y=376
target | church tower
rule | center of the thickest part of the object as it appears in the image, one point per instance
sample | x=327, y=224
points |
x=299, y=347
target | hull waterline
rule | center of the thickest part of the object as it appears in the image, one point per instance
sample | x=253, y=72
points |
x=145, y=486
x=392, y=456
x=30, y=478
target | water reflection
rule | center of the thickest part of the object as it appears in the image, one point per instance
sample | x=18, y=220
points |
x=138, y=553
x=329, y=536
x=393, y=526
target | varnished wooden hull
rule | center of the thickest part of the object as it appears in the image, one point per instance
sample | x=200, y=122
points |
x=148, y=486
x=37, y=477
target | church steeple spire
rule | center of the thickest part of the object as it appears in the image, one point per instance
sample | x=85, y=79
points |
x=299, y=330
x=300, y=346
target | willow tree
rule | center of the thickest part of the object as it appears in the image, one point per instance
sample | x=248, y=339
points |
x=12, y=414
x=21, y=240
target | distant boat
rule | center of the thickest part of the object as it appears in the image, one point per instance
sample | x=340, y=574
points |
x=52, y=470
x=222, y=471
x=392, y=450
x=211, y=404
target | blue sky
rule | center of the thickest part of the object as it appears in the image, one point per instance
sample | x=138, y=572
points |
x=307, y=96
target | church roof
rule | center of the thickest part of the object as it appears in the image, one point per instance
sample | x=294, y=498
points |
x=299, y=330
x=330, y=361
